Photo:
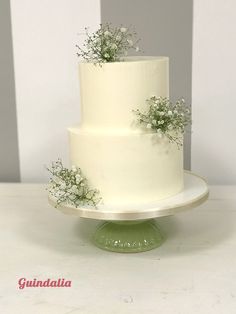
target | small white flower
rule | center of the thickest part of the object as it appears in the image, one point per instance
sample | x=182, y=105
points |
x=78, y=178
x=170, y=127
x=118, y=37
x=113, y=46
x=130, y=42
x=107, y=33
x=123, y=29
x=149, y=126
x=74, y=189
x=82, y=184
x=80, y=192
x=62, y=185
x=137, y=49
x=90, y=194
x=170, y=113
x=58, y=194
x=154, y=122
x=162, y=113
x=106, y=55
x=74, y=168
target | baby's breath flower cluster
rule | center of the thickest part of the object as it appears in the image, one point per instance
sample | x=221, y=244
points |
x=108, y=44
x=166, y=118
x=70, y=187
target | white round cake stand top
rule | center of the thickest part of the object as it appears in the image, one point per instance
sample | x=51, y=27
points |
x=195, y=192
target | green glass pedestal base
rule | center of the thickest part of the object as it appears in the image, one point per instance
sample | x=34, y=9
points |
x=128, y=236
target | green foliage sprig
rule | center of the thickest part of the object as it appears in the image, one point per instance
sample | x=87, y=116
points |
x=70, y=186
x=108, y=44
x=166, y=118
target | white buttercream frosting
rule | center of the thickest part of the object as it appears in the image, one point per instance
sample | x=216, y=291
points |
x=127, y=164
x=110, y=92
x=128, y=168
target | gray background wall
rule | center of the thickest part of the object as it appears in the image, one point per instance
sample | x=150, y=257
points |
x=9, y=157
x=165, y=28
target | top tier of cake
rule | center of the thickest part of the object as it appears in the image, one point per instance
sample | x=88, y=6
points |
x=110, y=92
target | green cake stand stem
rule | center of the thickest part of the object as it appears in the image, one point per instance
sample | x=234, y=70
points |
x=128, y=236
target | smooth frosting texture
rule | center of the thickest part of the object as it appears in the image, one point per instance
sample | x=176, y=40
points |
x=131, y=168
x=110, y=92
x=127, y=164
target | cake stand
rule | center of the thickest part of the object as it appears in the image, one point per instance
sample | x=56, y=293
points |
x=133, y=229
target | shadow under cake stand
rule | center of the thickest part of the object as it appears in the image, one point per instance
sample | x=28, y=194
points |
x=133, y=229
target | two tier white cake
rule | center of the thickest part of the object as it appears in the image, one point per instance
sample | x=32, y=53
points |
x=128, y=164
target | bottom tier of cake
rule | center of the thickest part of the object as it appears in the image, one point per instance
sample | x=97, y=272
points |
x=128, y=168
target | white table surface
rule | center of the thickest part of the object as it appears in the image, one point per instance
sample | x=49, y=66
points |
x=194, y=271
